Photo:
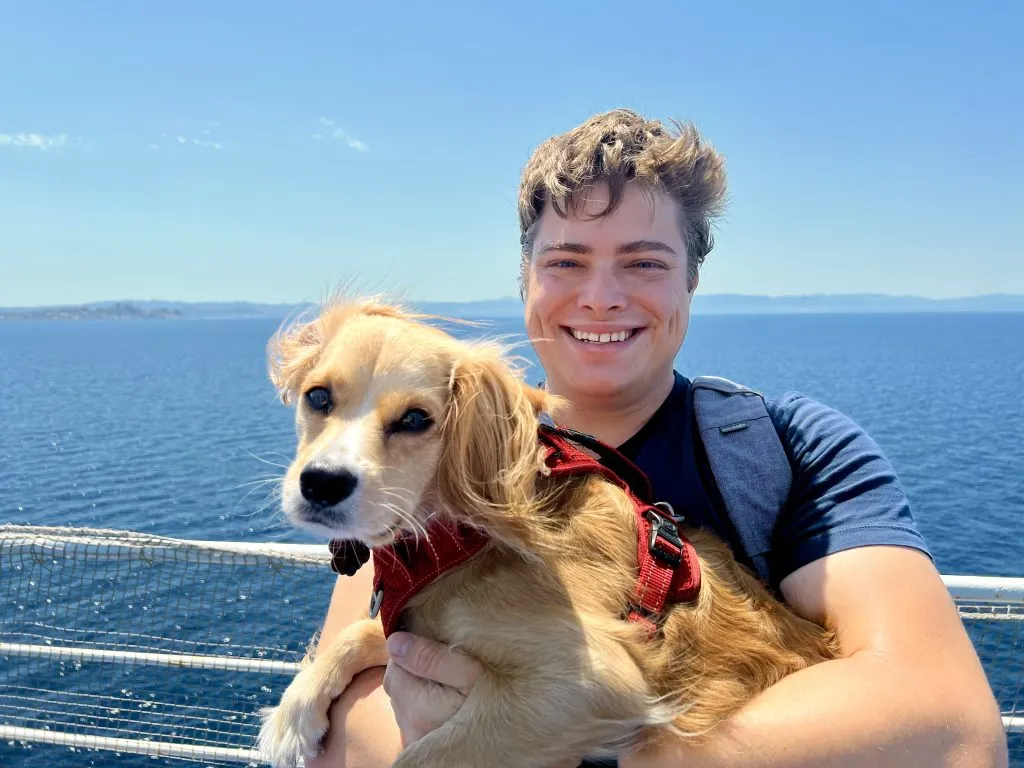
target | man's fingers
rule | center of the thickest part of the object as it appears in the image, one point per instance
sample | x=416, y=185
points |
x=434, y=661
x=419, y=705
x=398, y=684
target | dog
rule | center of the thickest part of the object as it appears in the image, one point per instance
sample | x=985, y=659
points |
x=405, y=431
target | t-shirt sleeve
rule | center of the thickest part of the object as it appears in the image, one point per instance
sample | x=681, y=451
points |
x=845, y=492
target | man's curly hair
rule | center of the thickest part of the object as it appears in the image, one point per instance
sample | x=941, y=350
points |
x=617, y=148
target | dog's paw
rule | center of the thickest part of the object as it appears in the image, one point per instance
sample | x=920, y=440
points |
x=293, y=729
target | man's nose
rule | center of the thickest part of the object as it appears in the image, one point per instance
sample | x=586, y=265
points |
x=602, y=292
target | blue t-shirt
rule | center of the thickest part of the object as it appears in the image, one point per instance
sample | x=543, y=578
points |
x=845, y=493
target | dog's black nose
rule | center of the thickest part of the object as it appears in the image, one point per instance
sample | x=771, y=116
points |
x=326, y=487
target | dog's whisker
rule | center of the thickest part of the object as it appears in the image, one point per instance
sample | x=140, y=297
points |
x=273, y=484
x=405, y=498
x=393, y=498
x=415, y=526
x=411, y=522
x=397, y=491
x=258, y=481
x=391, y=556
x=275, y=492
x=271, y=500
x=266, y=461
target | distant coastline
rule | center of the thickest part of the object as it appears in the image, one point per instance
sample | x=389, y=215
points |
x=712, y=304
x=119, y=310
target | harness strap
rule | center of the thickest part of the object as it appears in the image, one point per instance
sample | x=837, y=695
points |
x=668, y=570
x=748, y=462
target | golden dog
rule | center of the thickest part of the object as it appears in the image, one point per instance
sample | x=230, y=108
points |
x=399, y=424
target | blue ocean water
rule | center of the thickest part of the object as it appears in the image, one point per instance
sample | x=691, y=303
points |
x=165, y=426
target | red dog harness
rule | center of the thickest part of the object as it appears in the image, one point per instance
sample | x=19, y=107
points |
x=668, y=572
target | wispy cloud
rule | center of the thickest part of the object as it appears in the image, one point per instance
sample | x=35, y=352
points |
x=190, y=141
x=337, y=133
x=362, y=146
x=33, y=140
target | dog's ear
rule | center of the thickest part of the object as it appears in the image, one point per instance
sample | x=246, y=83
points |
x=291, y=354
x=490, y=455
x=295, y=348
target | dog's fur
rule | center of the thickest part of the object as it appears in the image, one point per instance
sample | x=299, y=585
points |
x=542, y=606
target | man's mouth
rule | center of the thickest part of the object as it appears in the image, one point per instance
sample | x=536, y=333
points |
x=609, y=337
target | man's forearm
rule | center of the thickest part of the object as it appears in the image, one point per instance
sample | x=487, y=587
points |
x=860, y=711
x=362, y=732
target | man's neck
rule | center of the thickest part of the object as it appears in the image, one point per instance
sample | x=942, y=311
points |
x=613, y=420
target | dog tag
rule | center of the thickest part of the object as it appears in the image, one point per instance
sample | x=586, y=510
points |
x=375, y=600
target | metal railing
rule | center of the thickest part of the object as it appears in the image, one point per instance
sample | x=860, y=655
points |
x=95, y=606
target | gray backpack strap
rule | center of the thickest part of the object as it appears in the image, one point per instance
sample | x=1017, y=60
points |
x=747, y=460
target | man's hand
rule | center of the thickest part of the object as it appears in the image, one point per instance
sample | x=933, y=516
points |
x=427, y=682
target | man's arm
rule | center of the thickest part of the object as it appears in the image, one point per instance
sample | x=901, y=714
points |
x=362, y=731
x=909, y=690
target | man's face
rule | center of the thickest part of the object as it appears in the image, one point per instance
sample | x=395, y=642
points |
x=607, y=303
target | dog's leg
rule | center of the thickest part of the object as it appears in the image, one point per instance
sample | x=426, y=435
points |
x=296, y=725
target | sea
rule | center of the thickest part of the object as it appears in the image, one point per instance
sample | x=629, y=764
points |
x=171, y=427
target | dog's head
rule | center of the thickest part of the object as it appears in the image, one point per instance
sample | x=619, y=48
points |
x=397, y=421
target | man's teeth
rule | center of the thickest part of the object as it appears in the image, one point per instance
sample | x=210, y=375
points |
x=601, y=338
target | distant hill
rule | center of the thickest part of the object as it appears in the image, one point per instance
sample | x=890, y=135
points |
x=113, y=310
x=510, y=307
x=732, y=304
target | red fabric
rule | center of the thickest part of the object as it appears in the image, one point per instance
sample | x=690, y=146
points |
x=403, y=568
x=447, y=545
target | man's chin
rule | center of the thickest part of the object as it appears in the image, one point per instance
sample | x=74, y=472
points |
x=602, y=384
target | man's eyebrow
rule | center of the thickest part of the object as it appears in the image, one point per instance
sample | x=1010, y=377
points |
x=566, y=247
x=645, y=246
x=636, y=246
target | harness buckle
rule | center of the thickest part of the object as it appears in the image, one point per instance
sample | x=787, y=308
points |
x=664, y=532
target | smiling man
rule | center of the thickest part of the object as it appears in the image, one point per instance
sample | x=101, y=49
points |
x=607, y=306
x=615, y=221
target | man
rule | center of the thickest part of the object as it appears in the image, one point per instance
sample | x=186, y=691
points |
x=615, y=220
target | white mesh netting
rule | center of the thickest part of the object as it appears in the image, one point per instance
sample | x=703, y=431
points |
x=125, y=646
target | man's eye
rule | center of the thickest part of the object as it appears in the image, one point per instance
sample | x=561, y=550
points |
x=319, y=399
x=413, y=420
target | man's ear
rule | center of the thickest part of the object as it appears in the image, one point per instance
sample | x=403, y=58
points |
x=490, y=454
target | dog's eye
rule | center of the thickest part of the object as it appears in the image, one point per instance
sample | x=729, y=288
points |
x=319, y=399
x=413, y=420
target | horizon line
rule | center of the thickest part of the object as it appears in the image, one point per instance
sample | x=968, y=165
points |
x=511, y=298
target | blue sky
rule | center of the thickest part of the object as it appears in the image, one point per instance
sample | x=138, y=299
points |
x=266, y=151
